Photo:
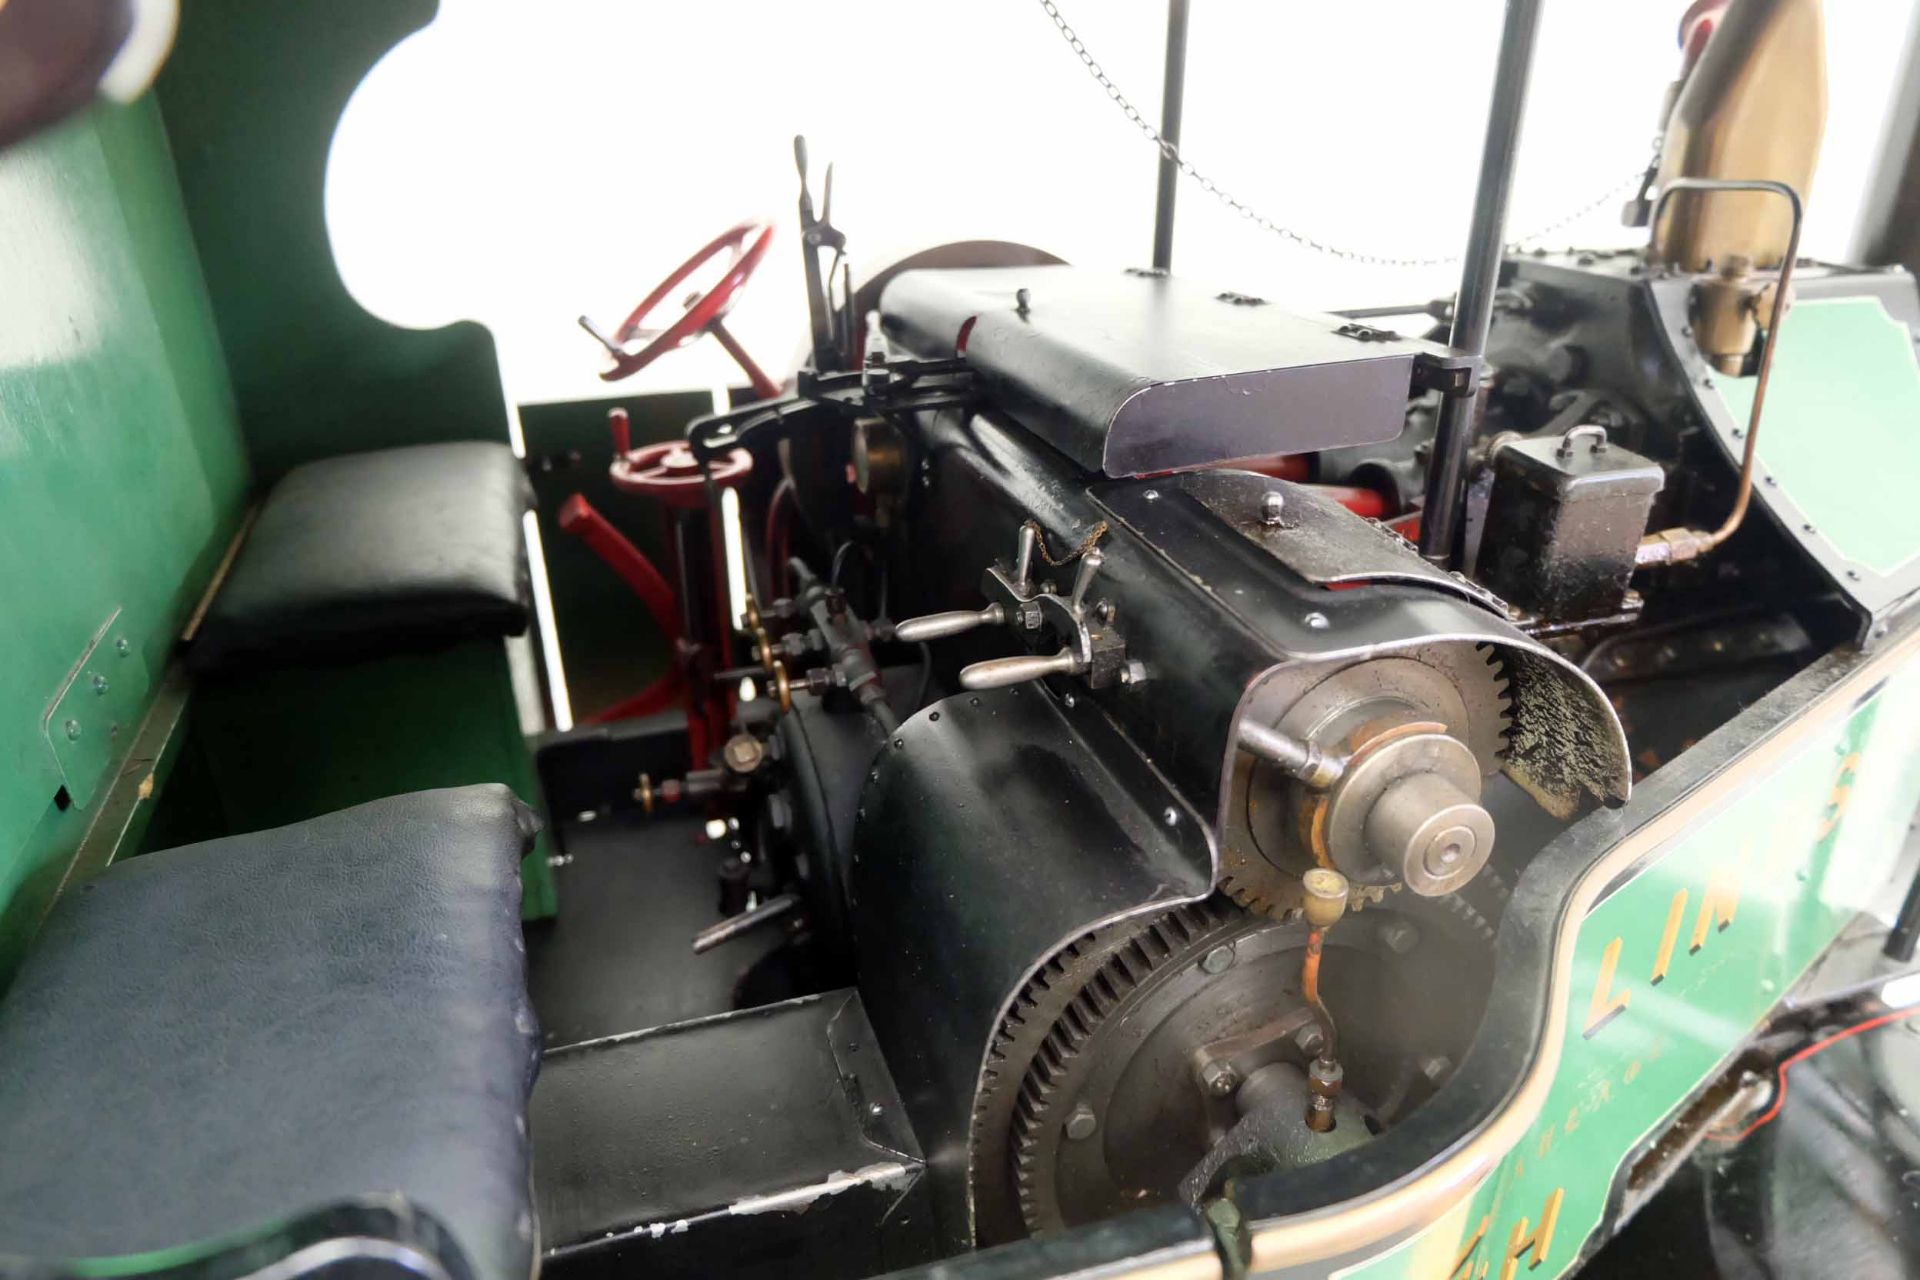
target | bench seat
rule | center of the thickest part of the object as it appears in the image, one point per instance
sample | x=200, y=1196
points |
x=358, y=647
x=210, y=1038
x=372, y=553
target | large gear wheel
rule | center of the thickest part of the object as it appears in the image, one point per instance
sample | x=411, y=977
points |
x=1465, y=687
x=1087, y=1105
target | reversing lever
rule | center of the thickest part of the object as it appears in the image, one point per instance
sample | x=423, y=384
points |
x=938, y=626
x=998, y=673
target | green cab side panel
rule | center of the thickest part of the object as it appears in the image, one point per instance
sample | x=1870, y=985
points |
x=122, y=473
x=251, y=96
x=291, y=743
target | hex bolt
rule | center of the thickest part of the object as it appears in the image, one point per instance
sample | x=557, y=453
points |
x=1309, y=1039
x=1273, y=507
x=1220, y=1078
x=1399, y=936
x=1218, y=960
x=1435, y=1067
x=1082, y=1123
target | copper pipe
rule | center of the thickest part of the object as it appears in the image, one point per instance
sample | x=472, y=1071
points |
x=1671, y=546
x=1310, y=989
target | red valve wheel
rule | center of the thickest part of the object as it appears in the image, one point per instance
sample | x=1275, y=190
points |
x=748, y=241
x=669, y=471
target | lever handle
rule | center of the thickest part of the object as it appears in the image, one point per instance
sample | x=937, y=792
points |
x=1023, y=557
x=998, y=673
x=1089, y=565
x=938, y=626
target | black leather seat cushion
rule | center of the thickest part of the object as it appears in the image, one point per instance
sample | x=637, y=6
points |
x=371, y=552
x=218, y=1036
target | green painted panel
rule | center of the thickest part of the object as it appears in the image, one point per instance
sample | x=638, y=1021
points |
x=1841, y=430
x=122, y=473
x=292, y=743
x=1675, y=969
x=251, y=96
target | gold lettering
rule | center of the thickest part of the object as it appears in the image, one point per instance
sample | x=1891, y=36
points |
x=1676, y=912
x=1841, y=794
x=1606, y=1004
x=1573, y=1120
x=1632, y=1072
x=1520, y=1243
x=1463, y=1268
x=1546, y=1142
x=1722, y=896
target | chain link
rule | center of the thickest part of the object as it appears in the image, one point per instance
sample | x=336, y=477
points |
x=1258, y=219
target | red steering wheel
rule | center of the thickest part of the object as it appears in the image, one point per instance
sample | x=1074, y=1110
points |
x=748, y=241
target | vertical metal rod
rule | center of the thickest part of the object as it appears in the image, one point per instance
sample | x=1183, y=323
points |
x=1901, y=939
x=1172, y=95
x=1479, y=277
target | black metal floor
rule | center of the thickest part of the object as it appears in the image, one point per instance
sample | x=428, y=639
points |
x=633, y=892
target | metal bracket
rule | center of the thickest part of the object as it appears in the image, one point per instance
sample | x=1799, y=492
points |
x=96, y=707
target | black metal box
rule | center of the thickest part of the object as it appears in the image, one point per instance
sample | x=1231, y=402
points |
x=1563, y=519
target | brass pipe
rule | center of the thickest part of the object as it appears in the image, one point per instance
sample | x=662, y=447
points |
x=1671, y=546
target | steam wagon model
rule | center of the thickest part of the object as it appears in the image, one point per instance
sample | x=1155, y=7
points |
x=1089, y=774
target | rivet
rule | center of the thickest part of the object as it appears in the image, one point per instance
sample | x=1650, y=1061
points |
x=1171, y=817
x=122, y=645
x=1151, y=495
x=73, y=730
x=100, y=684
x=1317, y=621
x=1069, y=699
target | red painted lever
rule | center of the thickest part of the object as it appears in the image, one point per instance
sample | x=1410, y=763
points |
x=578, y=518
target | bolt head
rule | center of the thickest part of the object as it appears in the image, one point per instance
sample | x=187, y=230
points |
x=73, y=730
x=1171, y=816
x=1273, y=507
x=1399, y=936
x=122, y=646
x=100, y=684
x=1082, y=1123
x=1218, y=960
x=1317, y=621
x=1220, y=1078
x=1151, y=495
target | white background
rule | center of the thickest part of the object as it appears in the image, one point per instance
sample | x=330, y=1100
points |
x=520, y=163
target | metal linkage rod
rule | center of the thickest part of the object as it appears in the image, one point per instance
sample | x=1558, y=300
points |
x=1172, y=97
x=1479, y=277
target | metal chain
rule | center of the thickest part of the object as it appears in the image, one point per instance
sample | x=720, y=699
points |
x=1087, y=544
x=1258, y=219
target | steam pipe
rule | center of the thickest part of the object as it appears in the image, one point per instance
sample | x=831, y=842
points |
x=1479, y=277
x=1173, y=93
x=1672, y=546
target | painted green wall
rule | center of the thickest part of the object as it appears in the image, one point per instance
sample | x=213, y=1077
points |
x=122, y=472
x=251, y=96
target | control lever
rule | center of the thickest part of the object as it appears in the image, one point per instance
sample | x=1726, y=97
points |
x=1089, y=566
x=998, y=673
x=938, y=626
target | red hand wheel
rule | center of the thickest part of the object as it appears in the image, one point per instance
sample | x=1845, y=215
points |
x=668, y=471
x=748, y=242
